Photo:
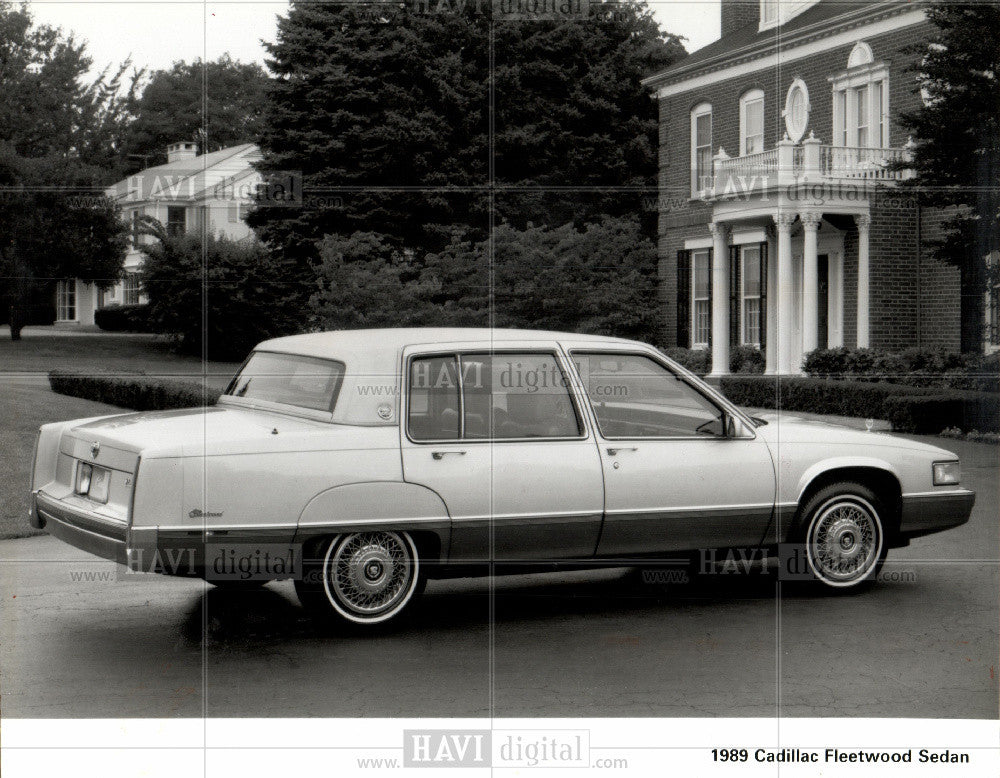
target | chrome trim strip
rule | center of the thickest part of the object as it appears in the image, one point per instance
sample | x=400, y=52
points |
x=691, y=508
x=57, y=506
x=942, y=493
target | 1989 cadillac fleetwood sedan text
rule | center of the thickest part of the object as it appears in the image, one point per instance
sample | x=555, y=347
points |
x=841, y=756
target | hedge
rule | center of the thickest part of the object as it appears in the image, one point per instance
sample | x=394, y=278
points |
x=123, y=318
x=913, y=367
x=932, y=413
x=136, y=391
x=839, y=398
x=909, y=408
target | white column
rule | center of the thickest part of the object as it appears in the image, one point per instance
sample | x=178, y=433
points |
x=835, y=301
x=784, y=223
x=720, y=298
x=771, y=332
x=810, y=281
x=864, y=222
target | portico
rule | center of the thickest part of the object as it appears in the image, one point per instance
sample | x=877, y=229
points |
x=800, y=304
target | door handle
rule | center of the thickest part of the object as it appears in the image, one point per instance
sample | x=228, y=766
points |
x=441, y=454
x=614, y=451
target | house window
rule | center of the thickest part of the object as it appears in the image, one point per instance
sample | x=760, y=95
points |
x=701, y=149
x=796, y=111
x=130, y=289
x=176, y=220
x=750, y=295
x=861, y=111
x=768, y=13
x=861, y=101
x=66, y=300
x=752, y=122
x=701, y=302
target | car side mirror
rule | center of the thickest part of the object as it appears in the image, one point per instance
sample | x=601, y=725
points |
x=735, y=428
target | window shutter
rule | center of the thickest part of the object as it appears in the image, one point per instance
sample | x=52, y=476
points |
x=684, y=299
x=711, y=305
x=734, y=296
x=763, y=296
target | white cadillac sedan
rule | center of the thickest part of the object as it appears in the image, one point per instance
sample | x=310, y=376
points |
x=361, y=463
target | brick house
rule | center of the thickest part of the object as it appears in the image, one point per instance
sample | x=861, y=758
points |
x=780, y=222
x=190, y=193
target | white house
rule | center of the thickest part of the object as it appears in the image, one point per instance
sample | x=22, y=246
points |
x=192, y=192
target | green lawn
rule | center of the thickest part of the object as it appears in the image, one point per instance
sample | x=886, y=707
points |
x=104, y=353
x=24, y=407
x=26, y=401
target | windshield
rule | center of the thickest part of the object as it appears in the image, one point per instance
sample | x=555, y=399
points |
x=304, y=382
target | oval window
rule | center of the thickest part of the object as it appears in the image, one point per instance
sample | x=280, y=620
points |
x=796, y=111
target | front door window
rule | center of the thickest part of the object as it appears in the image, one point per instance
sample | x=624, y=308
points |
x=635, y=397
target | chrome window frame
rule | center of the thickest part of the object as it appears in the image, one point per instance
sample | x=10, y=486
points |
x=682, y=375
x=558, y=356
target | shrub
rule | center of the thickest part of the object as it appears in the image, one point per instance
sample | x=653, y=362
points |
x=816, y=395
x=914, y=367
x=698, y=361
x=742, y=359
x=746, y=359
x=909, y=408
x=138, y=392
x=123, y=318
x=932, y=413
x=826, y=362
x=222, y=294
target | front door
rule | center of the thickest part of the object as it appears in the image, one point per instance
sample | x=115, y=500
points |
x=674, y=480
x=500, y=437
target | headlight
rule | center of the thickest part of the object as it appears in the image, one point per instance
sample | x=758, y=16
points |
x=946, y=473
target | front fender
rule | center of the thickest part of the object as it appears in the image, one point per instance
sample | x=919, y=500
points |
x=838, y=463
x=389, y=505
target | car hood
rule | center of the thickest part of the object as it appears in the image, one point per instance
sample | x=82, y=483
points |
x=786, y=427
x=210, y=431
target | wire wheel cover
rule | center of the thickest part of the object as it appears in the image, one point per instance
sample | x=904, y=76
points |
x=370, y=572
x=844, y=541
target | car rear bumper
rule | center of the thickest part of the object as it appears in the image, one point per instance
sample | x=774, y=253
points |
x=103, y=537
x=98, y=535
x=929, y=512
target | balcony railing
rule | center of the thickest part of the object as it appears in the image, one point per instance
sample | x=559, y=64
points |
x=810, y=162
x=868, y=164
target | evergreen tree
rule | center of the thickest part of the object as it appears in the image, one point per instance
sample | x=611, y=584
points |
x=957, y=153
x=386, y=110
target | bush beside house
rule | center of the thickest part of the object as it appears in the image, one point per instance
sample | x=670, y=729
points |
x=123, y=318
x=913, y=367
x=911, y=409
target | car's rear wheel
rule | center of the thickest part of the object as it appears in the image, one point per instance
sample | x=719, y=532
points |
x=364, y=578
x=844, y=536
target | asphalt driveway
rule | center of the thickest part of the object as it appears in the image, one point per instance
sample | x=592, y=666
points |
x=76, y=641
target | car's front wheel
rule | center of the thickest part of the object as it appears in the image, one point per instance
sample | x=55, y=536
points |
x=364, y=578
x=844, y=536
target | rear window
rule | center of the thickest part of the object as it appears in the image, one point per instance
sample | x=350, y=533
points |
x=304, y=382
